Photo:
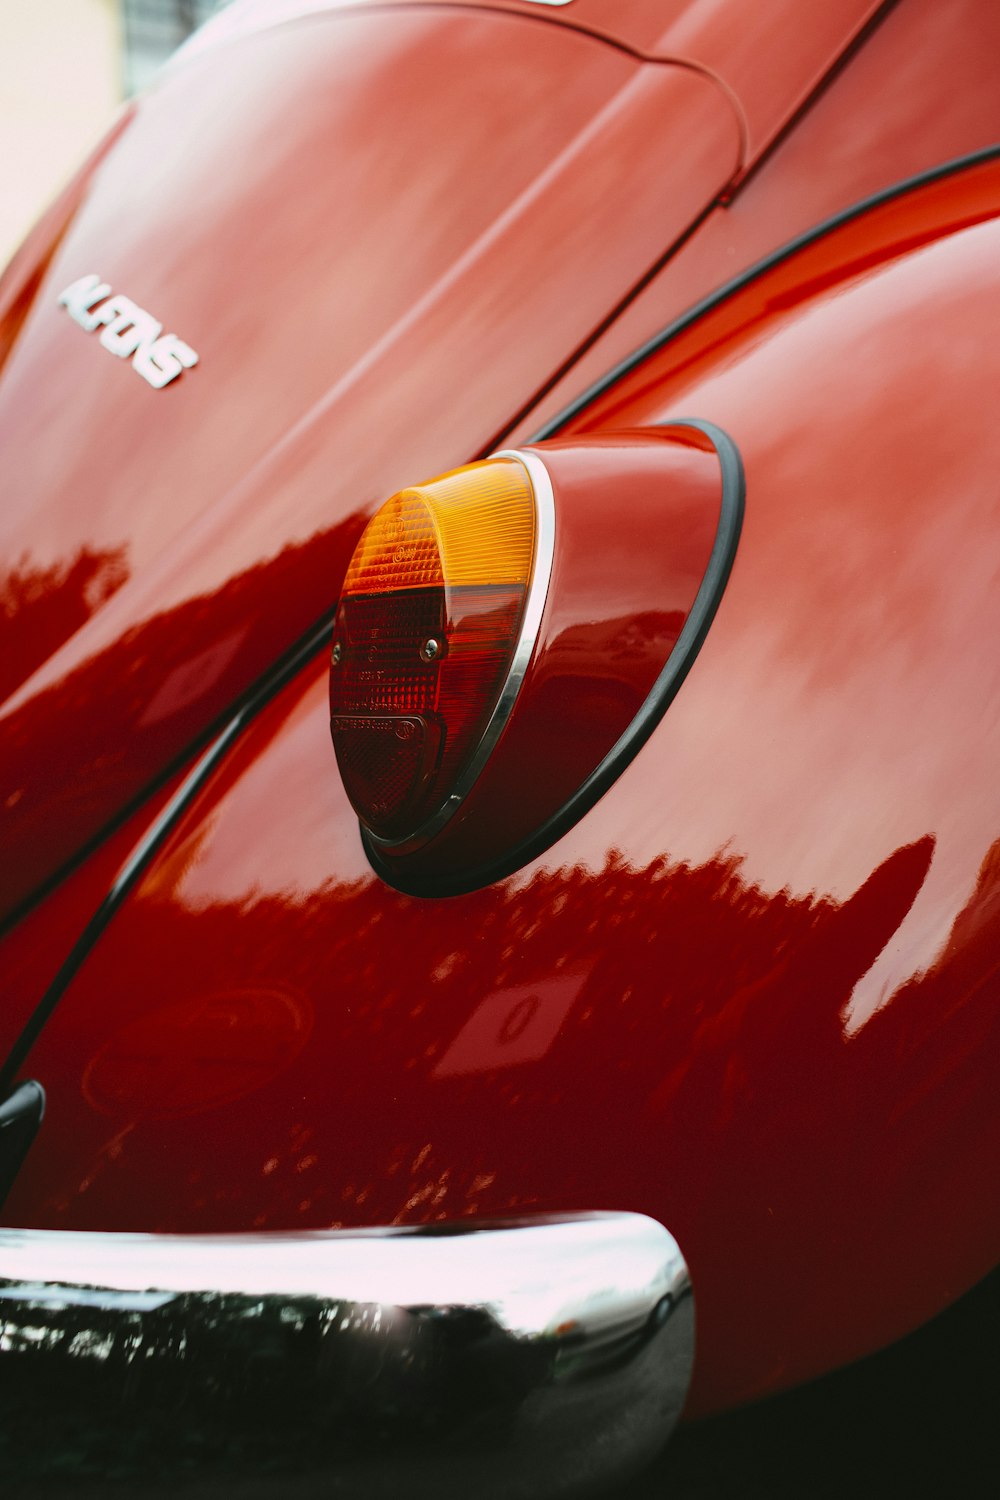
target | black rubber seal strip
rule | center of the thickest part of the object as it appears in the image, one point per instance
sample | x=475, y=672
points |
x=760, y=268
x=661, y=695
x=151, y=842
x=254, y=695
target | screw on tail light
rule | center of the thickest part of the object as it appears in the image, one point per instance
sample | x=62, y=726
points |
x=435, y=627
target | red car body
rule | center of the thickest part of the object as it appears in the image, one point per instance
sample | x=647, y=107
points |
x=750, y=992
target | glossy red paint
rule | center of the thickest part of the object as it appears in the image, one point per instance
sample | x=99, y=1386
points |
x=768, y=61
x=416, y=203
x=753, y=992
x=920, y=91
x=34, y=950
x=771, y=73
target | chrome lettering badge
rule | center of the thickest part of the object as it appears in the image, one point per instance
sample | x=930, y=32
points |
x=129, y=331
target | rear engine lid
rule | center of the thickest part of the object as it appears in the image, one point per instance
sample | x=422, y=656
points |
x=771, y=56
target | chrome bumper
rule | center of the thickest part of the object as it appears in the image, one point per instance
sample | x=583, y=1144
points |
x=537, y=1357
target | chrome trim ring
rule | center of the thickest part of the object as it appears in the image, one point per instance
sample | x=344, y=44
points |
x=538, y=590
x=539, y=1357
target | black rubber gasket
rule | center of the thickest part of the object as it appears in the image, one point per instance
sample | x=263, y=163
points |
x=153, y=839
x=661, y=695
x=728, y=289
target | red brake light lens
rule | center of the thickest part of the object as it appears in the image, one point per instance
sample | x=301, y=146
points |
x=430, y=621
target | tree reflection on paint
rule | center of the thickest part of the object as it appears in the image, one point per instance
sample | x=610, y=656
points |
x=40, y=607
x=84, y=746
x=694, y=1064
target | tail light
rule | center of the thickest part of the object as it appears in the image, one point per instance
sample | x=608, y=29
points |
x=436, y=623
x=510, y=633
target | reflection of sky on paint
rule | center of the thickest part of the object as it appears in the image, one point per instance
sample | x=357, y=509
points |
x=286, y=826
x=596, y=1271
x=512, y=1026
x=789, y=696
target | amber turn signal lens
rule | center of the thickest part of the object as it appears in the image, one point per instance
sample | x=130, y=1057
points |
x=429, y=623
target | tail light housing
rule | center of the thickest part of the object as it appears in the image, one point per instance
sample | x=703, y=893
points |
x=436, y=623
x=510, y=633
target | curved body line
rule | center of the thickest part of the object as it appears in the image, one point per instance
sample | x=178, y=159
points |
x=760, y=268
x=146, y=850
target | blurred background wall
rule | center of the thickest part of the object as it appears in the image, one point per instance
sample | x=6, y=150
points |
x=67, y=66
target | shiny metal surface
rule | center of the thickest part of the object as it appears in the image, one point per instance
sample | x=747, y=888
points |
x=129, y=331
x=541, y=573
x=545, y=1356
